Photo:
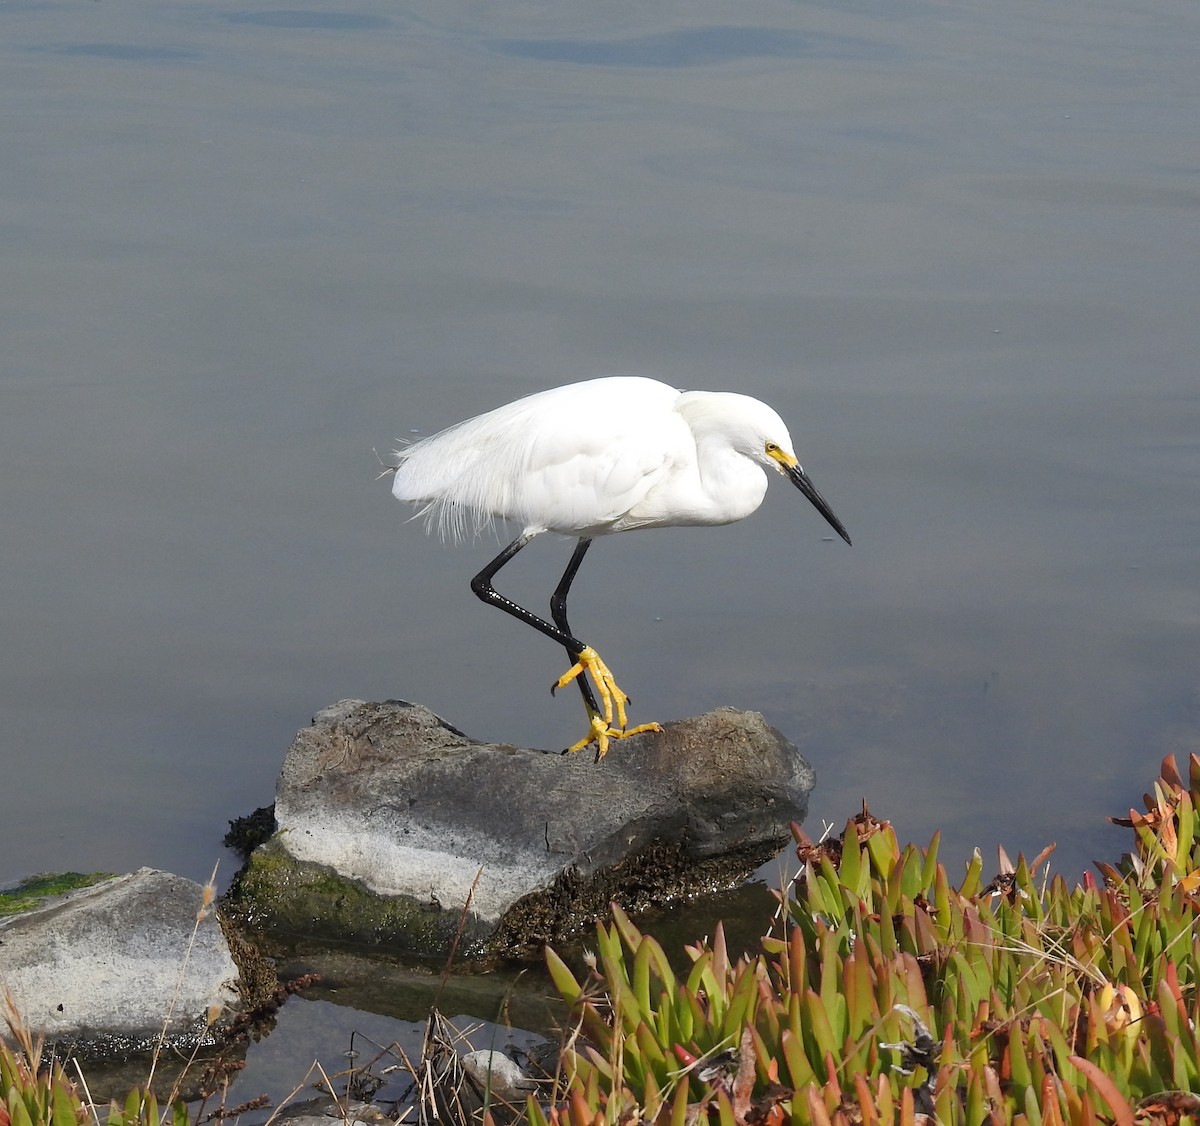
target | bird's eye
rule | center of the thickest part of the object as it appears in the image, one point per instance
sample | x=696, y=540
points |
x=772, y=448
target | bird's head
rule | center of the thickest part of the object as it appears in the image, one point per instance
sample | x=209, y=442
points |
x=785, y=461
x=760, y=434
x=751, y=428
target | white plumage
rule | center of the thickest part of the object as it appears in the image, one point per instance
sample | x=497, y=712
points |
x=590, y=459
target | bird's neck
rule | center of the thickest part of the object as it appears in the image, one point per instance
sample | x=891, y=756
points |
x=734, y=484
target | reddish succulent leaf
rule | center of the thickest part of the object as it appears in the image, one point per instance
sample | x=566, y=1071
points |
x=580, y=1114
x=1107, y=1090
x=866, y=1103
x=1171, y=978
x=720, y=961
x=832, y=1082
x=1051, y=1110
x=683, y=1055
x=1170, y=773
x=816, y=1107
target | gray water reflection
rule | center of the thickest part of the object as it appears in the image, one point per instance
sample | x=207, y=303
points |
x=688, y=47
x=315, y=20
x=126, y=52
x=953, y=246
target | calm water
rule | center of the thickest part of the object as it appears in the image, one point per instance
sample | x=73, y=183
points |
x=955, y=245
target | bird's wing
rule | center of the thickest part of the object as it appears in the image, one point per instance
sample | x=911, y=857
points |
x=570, y=459
x=584, y=474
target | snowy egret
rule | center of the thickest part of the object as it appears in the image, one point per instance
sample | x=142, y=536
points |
x=590, y=459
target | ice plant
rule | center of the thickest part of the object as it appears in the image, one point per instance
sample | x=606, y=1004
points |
x=891, y=992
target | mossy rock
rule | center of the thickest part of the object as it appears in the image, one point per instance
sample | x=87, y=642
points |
x=276, y=893
x=34, y=891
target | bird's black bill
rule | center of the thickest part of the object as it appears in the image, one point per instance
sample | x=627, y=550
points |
x=801, y=480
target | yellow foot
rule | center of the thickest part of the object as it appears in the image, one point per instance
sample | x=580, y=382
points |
x=600, y=733
x=611, y=695
x=612, y=703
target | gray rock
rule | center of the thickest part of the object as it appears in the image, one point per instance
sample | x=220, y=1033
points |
x=327, y=1111
x=513, y=846
x=497, y=1073
x=105, y=967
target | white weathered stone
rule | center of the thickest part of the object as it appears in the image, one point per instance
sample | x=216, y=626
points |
x=121, y=958
x=390, y=795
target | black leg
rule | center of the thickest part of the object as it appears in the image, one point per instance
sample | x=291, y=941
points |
x=481, y=584
x=585, y=661
x=558, y=611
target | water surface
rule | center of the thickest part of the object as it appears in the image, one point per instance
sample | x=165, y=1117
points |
x=953, y=245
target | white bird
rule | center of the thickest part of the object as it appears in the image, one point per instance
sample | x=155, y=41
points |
x=590, y=459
